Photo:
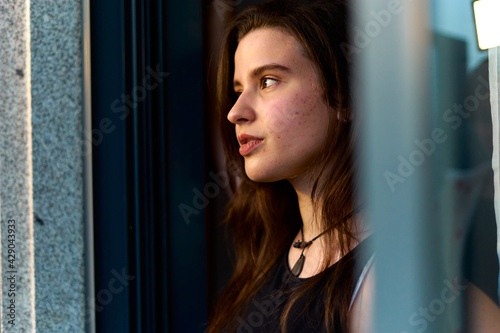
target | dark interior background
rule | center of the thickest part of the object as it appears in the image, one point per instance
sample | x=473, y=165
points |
x=157, y=207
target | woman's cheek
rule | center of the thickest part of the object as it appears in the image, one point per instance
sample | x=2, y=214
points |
x=284, y=119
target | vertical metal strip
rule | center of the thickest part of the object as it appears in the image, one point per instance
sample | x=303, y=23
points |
x=494, y=71
x=90, y=320
x=138, y=304
x=164, y=208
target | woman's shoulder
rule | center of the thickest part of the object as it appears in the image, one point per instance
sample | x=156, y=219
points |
x=361, y=311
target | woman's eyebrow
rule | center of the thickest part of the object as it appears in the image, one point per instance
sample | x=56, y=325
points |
x=256, y=72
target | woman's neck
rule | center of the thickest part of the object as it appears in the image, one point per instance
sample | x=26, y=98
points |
x=310, y=213
x=319, y=252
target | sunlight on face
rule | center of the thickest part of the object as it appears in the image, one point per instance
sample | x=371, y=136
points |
x=280, y=117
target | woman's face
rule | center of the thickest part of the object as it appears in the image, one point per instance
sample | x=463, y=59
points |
x=280, y=116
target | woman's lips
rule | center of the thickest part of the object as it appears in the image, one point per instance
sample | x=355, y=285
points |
x=248, y=143
x=249, y=146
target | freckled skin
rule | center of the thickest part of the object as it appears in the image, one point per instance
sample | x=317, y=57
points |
x=288, y=112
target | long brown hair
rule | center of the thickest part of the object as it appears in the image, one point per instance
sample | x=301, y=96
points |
x=264, y=218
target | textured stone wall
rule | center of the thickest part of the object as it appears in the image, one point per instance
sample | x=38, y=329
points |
x=41, y=158
x=16, y=199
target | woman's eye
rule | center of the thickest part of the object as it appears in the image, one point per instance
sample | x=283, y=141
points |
x=267, y=82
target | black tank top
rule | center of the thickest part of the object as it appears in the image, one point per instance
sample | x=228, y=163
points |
x=264, y=311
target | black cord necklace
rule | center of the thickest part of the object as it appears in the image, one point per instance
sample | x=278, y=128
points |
x=301, y=244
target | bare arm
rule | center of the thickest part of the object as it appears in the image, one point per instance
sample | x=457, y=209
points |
x=482, y=314
x=361, y=313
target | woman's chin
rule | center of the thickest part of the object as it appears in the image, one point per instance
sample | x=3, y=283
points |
x=261, y=176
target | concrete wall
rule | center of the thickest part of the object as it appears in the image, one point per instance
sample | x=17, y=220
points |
x=41, y=179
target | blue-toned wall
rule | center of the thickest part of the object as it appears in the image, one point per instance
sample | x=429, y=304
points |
x=41, y=160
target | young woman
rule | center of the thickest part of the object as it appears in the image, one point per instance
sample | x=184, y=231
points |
x=286, y=122
x=303, y=264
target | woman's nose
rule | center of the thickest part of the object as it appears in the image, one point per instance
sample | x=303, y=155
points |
x=242, y=111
